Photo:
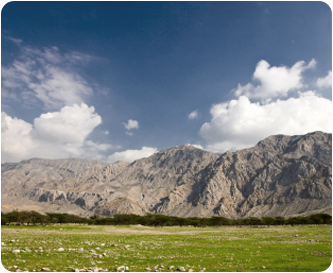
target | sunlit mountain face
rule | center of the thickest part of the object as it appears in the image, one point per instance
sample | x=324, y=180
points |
x=280, y=176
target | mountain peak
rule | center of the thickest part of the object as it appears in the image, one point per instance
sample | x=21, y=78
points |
x=281, y=175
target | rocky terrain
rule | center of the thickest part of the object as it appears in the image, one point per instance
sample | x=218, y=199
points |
x=281, y=175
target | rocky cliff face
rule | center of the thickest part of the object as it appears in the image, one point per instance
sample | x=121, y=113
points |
x=281, y=175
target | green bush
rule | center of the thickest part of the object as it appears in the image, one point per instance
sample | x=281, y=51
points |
x=33, y=217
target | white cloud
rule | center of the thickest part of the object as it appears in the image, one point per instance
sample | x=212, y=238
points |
x=16, y=138
x=193, y=115
x=93, y=150
x=52, y=135
x=196, y=146
x=131, y=155
x=131, y=124
x=72, y=124
x=274, y=81
x=15, y=41
x=240, y=123
x=47, y=75
x=326, y=81
x=53, y=78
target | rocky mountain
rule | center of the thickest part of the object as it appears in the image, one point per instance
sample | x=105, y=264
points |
x=281, y=175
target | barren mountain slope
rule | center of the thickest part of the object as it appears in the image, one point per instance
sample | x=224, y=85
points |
x=29, y=173
x=44, y=184
x=281, y=175
x=148, y=182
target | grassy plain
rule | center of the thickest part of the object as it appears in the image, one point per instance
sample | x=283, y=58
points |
x=104, y=248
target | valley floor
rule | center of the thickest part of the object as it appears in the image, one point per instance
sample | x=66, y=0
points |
x=83, y=248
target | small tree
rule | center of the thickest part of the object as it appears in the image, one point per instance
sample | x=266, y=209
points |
x=4, y=219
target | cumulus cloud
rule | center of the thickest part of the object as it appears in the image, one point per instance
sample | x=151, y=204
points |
x=241, y=123
x=131, y=124
x=274, y=81
x=131, y=155
x=50, y=78
x=326, y=81
x=52, y=135
x=16, y=138
x=72, y=124
x=193, y=115
x=46, y=75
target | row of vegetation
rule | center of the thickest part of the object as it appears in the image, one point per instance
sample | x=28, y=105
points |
x=33, y=217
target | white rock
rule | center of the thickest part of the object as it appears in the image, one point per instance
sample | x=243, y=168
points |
x=16, y=251
x=61, y=249
x=119, y=268
x=181, y=268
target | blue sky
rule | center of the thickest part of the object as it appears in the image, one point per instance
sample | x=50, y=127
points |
x=122, y=80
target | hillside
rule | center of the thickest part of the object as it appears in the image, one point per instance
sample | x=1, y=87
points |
x=281, y=175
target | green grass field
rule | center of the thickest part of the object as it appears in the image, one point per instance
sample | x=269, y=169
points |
x=106, y=248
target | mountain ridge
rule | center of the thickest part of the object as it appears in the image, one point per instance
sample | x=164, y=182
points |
x=281, y=175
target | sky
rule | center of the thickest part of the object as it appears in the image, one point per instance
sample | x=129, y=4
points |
x=123, y=80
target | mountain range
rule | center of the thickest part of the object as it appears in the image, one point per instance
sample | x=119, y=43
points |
x=280, y=176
